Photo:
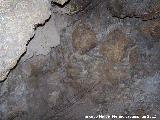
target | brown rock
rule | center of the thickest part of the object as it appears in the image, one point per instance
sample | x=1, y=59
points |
x=151, y=28
x=84, y=39
x=155, y=32
x=114, y=47
x=152, y=13
x=116, y=7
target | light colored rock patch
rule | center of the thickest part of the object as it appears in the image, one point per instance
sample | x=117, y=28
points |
x=17, y=20
x=45, y=38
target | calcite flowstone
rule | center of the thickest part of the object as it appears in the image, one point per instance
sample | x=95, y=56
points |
x=17, y=22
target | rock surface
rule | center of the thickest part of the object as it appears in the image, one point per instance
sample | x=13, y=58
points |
x=61, y=2
x=147, y=9
x=115, y=46
x=73, y=7
x=17, y=23
x=83, y=38
x=43, y=40
x=120, y=75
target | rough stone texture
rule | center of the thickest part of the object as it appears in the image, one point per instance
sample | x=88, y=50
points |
x=115, y=46
x=73, y=7
x=43, y=40
x=83, y=38
x=151, y=29
x=145, y=9
x=134, y=56
x=17, y=23
x=67, y=85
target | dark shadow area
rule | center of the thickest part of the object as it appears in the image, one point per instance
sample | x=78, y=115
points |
x=59, y=5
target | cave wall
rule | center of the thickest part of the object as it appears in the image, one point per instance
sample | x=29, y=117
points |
x=107, y=62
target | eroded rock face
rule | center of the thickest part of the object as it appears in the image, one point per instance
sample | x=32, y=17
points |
x=17, y=23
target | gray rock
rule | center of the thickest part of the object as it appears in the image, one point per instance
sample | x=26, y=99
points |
x=17, y=22
x=43, y=40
